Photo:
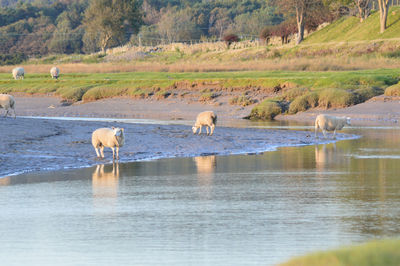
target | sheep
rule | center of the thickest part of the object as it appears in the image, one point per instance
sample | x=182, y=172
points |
x=18, y=73
x=108, y=137
x=208, y=119
x=7, y=101
x=54, y=72
x=329, y=123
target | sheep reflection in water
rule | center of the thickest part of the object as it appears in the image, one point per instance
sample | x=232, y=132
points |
x=105, y=184
x=205, y=173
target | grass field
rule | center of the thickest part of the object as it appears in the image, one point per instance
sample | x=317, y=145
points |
x=332, y=88
x=375, y=253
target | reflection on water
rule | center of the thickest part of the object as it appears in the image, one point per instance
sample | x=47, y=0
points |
x=205, y=173
x=232, y=210
x=105, y=185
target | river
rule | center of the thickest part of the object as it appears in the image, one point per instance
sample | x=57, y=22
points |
x=214, y=210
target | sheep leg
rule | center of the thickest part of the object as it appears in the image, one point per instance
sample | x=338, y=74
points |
x=15, y=115
x=117, y=148
x=334, y=134
x=324, y=132
x=212, y=130
x=6, y=113
x=207, y=130
x=200, y=130
x=102, y=151
x=97, y=152
x=112, y=148
x=316, y=130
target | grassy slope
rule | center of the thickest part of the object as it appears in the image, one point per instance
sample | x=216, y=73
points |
x=376, y=253
x=348, y=29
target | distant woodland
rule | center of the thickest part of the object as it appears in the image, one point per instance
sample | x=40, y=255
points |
x=41, y=27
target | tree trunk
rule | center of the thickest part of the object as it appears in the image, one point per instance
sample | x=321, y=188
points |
x=300, y=24
x=383, y=13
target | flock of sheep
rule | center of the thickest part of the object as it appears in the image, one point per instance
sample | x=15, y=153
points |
x=114, y=137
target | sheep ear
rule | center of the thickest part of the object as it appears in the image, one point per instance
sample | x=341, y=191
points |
x=113, y=127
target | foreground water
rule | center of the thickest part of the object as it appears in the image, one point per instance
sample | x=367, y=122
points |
x=229, y=210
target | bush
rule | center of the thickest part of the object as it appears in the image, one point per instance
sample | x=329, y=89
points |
x=266, y=110
x=208, y=96
x=393, y=90
x=367, y=93
x=12, y=59
x=72, y=94
x=336, y=98
x=302, y=103
x=293, y=93
x=241, y=100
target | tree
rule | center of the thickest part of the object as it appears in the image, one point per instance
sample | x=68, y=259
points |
x=364, y=8
x=111, y=22
x=300, y=9
x=383, y=13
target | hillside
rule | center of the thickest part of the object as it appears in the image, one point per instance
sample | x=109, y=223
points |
x=349, y=29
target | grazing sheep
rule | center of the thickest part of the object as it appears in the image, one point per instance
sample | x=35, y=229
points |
x=208, y=119
x=54, y=72
x=108, y=137
x=18, y=73
x=329, y=123
x=7, y=101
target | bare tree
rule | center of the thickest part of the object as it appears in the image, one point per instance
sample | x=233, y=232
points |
x=383, y=13
x=364, y=8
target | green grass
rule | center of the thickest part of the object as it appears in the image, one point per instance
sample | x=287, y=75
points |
x=375, y=253
x=348, y=29
x=334, y=88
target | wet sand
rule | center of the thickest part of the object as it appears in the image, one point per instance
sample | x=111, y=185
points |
x=40, y=144
x=30, y=144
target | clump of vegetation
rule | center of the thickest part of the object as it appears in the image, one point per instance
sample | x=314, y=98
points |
x=72, y=94
x=367, y=93
x=304, y=102
x=336, y=98
x=266, y=110
x=229, y=39
x=208, y=96
x=12, y=59
x=162, y=94
x=293, y=93
x=242, y=100
x=393, y=90
x=375, y=253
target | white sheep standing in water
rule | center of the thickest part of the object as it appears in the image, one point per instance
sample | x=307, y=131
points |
x=18, y=73
x=108, y=137
x=54, y=72
x=330, y=123
x=7, y=102
x=208, y=119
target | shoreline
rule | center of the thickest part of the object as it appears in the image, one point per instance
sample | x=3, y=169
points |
x=37, y=144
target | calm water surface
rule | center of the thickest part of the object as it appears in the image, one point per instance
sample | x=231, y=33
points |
x=233, y=210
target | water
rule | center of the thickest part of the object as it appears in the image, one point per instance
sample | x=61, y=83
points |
x=229, y=210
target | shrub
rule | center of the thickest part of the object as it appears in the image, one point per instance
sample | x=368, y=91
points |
x=336, y=98
x=393, y=90
x=208, y=96
x=293, y=93
x=241, y=100
x=72, y=94
x=12, y=59
x=266, y=110
x=230, y=38
x=304, y=102
x=367, y=93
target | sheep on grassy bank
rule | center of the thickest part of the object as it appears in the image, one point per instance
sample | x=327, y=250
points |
x=18, y=73
x=330, y=123
x=54, y=72
x=108, y=137
x=7, y=102
x=208, y=119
